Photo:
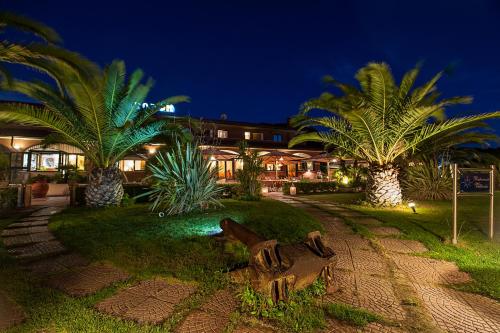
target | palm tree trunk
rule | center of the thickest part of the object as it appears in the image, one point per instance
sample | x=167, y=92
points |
x=383, y=187
x=105, y=187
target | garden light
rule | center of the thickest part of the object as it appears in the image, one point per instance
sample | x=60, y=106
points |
x=345, y=180
x=265, y=190
x=411, y=204
x=293, y=190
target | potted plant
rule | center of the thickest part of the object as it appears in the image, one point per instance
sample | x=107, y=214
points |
x=40, y=186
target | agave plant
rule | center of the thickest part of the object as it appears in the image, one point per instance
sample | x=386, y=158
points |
x=383, y=123
x=99, y=112
x=427, y=180
x=183, y=181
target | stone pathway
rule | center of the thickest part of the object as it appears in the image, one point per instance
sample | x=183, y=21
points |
x=371, y=279
x=147, y=302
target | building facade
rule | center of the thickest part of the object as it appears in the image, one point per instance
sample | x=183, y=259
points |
x=29, y=158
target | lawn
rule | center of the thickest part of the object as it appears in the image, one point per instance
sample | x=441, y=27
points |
x=431, y=225
x=145, y=245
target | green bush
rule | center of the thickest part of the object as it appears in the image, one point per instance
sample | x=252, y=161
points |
x=311, y=187
x=426, y=181
x=8, y=197
x=230, y=191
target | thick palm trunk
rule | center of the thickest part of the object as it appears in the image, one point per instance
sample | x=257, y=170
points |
x=383, y=187
x=105, y=187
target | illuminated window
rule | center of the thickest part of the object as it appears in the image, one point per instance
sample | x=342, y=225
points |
x=132, y=165
x=222, y=134
x=277, y=138
x=238, y=164
x=140, y=165
x=258, y=136
x=270, y=167
x=247, y=135
x=44, y=161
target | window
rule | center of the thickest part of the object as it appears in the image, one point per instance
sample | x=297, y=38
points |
x=258, y=136
x=132, y=165
x=277, y=138
x=77, y=161
x=222, y=134
x=247, y=135
x=44, y=161
x=270, y=167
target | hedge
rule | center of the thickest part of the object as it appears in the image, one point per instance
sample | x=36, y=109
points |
x=311, y=187
x=8, y=197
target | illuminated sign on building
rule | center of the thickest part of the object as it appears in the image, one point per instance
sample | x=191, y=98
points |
x=170, y=108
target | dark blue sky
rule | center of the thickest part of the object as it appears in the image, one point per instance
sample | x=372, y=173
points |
x=259, y=60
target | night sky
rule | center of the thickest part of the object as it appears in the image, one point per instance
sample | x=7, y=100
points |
x=259, y=60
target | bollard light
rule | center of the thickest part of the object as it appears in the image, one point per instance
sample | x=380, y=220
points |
x=265, y=190
x=411, y=204
x=293, y=190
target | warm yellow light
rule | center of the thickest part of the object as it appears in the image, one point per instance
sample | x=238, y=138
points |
x=334, y=160
x=212, y=158
x=411, y=204
x=293, y=190
x=265, y=190
x=17, y=146
x=345, y=180
x=281, y=159
x=152, y=150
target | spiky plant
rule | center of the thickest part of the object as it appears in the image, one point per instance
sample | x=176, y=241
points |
x=383, y=123
x=98, y=111
x=183, y=181
x=427, y=180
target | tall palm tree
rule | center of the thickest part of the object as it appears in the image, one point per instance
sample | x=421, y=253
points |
x=42, y=53
x=100, y=112
x=382, y=123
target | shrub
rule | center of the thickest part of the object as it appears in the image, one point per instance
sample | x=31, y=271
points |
x=311, y=187
x=426, y=181
x=230, y=191
x=248, y=176
x=8, y=197
x=182, y=181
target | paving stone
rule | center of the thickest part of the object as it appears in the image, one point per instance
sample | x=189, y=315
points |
x=402, y=245
x=11, y=314
x=34, y=218
x=369, y=292
x=369, y=262
x=56, y=264
x=336, y=326
x=24, y=231
x=222, y=302
x=27, y=239
x=28, y=224
x=351, y=213
x=201, y=322
x=385, y=231
x=213, y=316
x=87, y=280
x=150, y=301
x=367, y=221
x=456, y=311
x=427, y=270
x=47, y=211
x=37, y=250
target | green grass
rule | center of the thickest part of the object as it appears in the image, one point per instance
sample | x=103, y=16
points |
x=474, y=254
x=353, y=316
x=144, y=245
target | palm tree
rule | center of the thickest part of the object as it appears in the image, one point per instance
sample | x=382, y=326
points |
x=382, y=123
x=42, y=54
x=100, y=112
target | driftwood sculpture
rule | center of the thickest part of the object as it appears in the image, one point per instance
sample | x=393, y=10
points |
x=275, y=270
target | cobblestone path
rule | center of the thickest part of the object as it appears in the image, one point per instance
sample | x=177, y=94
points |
x=383, y=279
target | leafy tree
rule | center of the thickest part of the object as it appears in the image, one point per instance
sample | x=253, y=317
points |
x=248, y=176
x=383, y=123
x=183, y=181
x=100, y=112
